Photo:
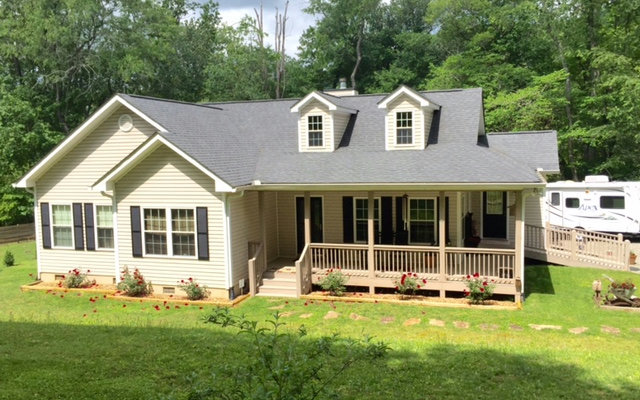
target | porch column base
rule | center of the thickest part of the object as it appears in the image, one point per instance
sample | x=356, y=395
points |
x=443, y=293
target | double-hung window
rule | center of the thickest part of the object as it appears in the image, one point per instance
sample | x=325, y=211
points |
x=104, y=227
x=314, y=124
x=174, y=237
x=62, y=225
x=404, y=127
x=422, y=221
x=361, y=219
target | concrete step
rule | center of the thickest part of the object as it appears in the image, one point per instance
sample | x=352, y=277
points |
x=279, y=282
x=279, y=274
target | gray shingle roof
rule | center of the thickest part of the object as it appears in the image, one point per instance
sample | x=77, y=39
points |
x=258, y=140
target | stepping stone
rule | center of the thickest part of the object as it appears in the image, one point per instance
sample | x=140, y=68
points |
x=358, y=317
x=387, y=320
x=578, y=331
x=331, y=315
x=543, y=327
x=436, y=322
x=280, y=307
x=287, y=314
x=610, y=329
x=461, y=324
x=515, y=327
x=635, y=330
x=411, y=321
x=489, y=327
x=307, y=315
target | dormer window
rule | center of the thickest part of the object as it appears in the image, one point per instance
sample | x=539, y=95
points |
x=315, y=130
x=404, y=127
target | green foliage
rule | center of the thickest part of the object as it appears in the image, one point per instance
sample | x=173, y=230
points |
x=334, y=282
x=193, y=289
x=479, y=289
x=409, y=283
x=283, y=366
x=134, y=284
x=77, y=279
x=8, y=260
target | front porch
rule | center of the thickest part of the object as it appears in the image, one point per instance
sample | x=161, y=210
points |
x=374, y=265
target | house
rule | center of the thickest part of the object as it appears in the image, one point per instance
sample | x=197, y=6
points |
x=223, y=192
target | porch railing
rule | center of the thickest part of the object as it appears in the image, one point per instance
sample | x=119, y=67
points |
x=398, y=259
x=303, y=271
x=352, y=257
x=495, y=263
x=257, y=267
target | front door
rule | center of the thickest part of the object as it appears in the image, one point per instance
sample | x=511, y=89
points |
x=316, y=221
x=494, y=215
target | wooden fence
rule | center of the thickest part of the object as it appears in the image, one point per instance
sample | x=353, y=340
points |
x=16, y=233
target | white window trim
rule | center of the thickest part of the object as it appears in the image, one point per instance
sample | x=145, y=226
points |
x=169, y=233
x=95, y=228
x=322, y=121
x=51, y=226
x=435, y=219
x=355, y=220
x=395, y=130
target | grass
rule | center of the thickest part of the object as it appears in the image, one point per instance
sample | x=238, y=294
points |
x=49, y=349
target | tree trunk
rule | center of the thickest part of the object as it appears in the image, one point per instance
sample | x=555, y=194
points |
x=358, y=55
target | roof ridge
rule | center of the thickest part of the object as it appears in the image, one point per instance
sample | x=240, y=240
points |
x=536, y=132
x=137, y=96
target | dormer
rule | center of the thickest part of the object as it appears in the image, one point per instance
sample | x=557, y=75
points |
x=321, y=122
x=407, y=120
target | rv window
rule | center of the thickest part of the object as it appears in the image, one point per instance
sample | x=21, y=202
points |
x=572, y=202
x=615, y=202
x=555, y=199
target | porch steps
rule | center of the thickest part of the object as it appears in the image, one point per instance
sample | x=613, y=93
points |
x=278, y=284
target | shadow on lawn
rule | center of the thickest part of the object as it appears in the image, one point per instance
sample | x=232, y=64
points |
x=538, y=280
x=94, y=362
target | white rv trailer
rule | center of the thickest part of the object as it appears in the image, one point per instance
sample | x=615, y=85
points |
x=595, y=205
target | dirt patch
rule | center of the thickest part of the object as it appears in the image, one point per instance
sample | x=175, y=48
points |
x=357, y=317
x=331, y=315
x=489, y=327
x=411, y=322
x=387, y=320
x=579, y=331
x=610, y=329
x=436, y=322
x=461, y=324
x=515, y=327
x=545, y=327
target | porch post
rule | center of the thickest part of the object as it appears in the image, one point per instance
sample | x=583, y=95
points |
x=307, y=218
x=442, y=238
x=519, y=237
x=263, y=228
x=371, y=241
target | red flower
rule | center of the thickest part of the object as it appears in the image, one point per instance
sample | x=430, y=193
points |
x=168, y=308
x=186, y=304
x=482, y=289
x=397, y=288
x=468, y=276
x=306, y=304
x=177, y=306
x=484, y=283
x=124, y=306
x=415, y=275
x=201, y=307
x=157, y=307
x=424, y=281
x=61, y=296
x=84, y=315
x=104, y=296
x=476, y=275
x=95, y=310
x=190, y=279
x=170, y=295
x=418, y=286
x=88, y=271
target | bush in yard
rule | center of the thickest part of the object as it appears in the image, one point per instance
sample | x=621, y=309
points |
x=409, y=283
x=334, y=282
x=134, y=284
x=193, y=289
x=284, y=366
x=9, y=260
x=77, y=279
x=479, y=289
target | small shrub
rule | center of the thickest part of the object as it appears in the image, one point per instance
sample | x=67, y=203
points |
x=9, y=260
x=76, y=279
x=334, y=282
x=134, y=284
x=479, y=289
x=408, y=283
x=193, y=289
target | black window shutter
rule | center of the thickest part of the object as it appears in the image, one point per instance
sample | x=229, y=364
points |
x=46, y=225
x=347, y=219
x=203, y=233
x=78, y=228
x=402, y=236
x=387, y=220
x=89, y=225
x=136, y=232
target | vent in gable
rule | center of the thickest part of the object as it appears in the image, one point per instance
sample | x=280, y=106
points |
x=125, y=122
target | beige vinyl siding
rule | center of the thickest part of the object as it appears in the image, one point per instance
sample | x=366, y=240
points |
x=70, y=179
x=245, y=228
x=333, y=217
x=166, y=180
x=533, y=210
x=315, y=108
x=428, y=118
x=405, y=104
x=340, y=122
x=271, y=220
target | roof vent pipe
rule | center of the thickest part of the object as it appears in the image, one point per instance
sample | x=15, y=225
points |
x=343, y=83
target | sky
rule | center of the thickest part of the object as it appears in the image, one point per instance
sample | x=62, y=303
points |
x=232, y=11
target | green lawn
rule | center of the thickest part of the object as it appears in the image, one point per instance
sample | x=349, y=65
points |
x=50, y=349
